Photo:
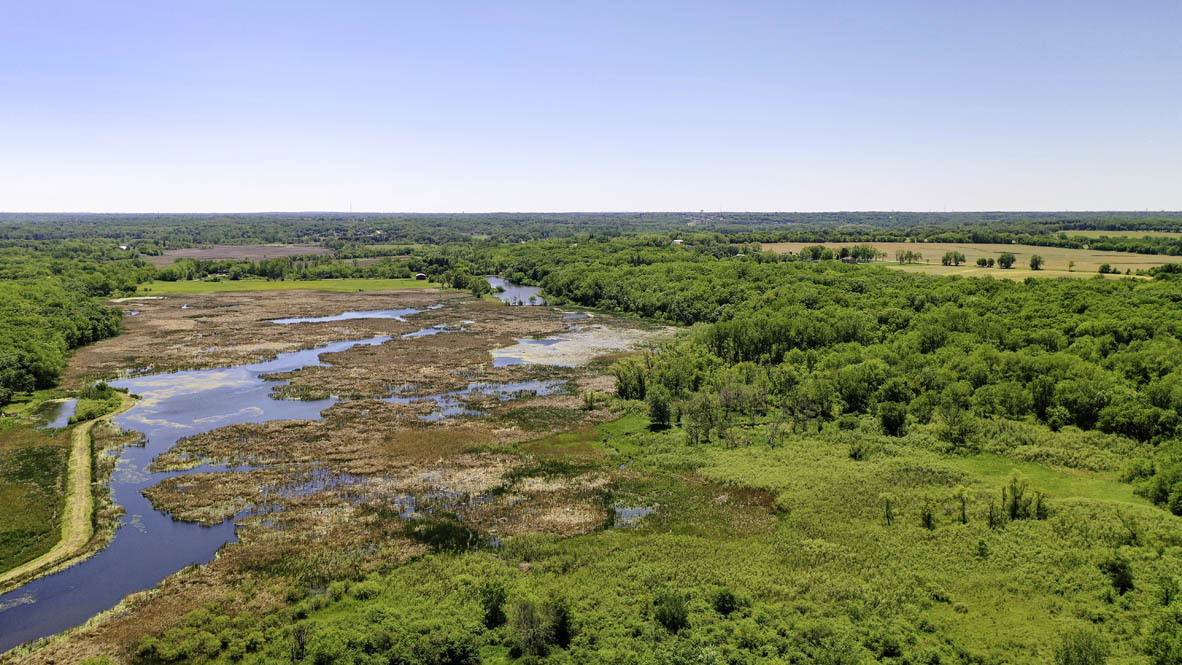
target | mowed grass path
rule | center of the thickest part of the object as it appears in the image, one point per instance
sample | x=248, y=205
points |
x=168, y=288
x=1087, y=262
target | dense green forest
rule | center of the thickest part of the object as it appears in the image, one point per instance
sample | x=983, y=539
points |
x=812, y=341
x=151, y=234
x=51, y=302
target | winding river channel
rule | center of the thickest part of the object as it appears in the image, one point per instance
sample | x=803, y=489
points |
x=149, y=545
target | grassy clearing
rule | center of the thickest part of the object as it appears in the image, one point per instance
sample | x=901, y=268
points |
x=169, y=288
x=1056, y=259
x=1064, y=483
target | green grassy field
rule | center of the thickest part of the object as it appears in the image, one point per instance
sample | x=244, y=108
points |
x=1056, y=259
x=1017, y=273
x=168, y=288
x=1125, y=234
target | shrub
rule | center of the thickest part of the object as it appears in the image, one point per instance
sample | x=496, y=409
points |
x=534, y=629
x=725, y=602
x=367, y=589
x=893, y=418
x=859, y=450
x=557, y=620
x=1167, y=591
x=927, y=516
x=1164, y=643
x=527, y=631
x=492, y=601
x=1082, y=646
x=671, y=610
x=1119, y=571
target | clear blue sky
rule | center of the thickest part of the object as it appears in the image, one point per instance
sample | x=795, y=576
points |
x=455, y=106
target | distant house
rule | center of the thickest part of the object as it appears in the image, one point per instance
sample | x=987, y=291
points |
x=421, y=276
x=123, y=247
x=678, y=241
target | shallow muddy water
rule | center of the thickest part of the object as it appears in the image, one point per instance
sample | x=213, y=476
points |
x=576, y=347
x=148, y=544
x=396, y=314
x=451, y=404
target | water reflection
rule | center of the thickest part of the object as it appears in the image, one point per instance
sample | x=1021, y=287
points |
x=515, y=294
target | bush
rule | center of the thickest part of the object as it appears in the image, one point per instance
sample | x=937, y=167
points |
x=1167, y=591
x=671, y=610
x=534, y=629
x=557, y=620
x=527, y=631
x=1082, y=646
x=1119, y=571
x=927, y=516
x=367, y=589
x=492, y=601
x=726, y=602
x=893, y=418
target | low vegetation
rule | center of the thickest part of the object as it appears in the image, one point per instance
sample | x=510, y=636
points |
x=32, y=492
x=831, y=462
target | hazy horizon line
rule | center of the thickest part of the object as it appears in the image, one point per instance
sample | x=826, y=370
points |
x=588, y=212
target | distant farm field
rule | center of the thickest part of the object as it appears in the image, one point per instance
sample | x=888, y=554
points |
x=228, y=252
x=1125, y=234
x=167, y=288
x=1087, y=262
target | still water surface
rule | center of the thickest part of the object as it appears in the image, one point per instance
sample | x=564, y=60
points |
x=148, y=544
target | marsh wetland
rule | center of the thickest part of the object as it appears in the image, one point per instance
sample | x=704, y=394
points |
x=644, y=448
x=384, y=422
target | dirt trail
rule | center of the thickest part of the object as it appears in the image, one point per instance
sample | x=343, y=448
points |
x=77, y=526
